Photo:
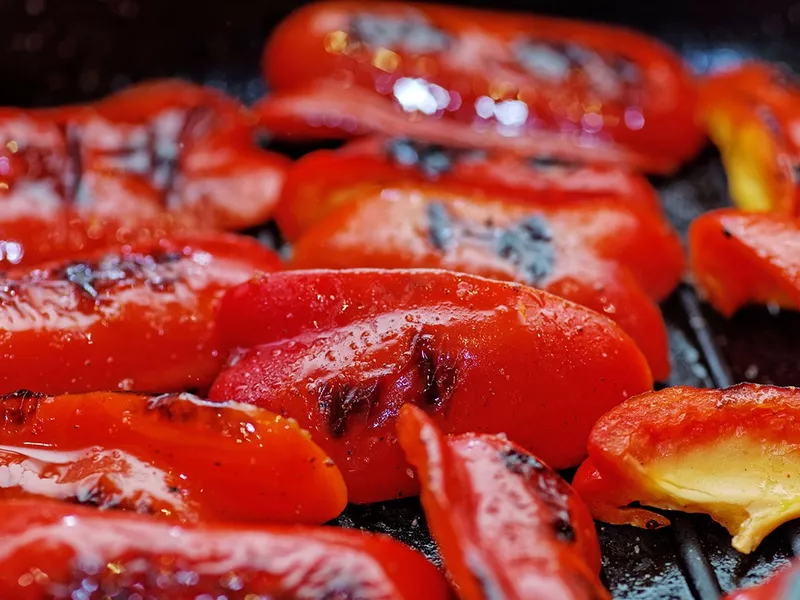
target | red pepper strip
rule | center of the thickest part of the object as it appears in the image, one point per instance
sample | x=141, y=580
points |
x=480, y=79
x=603, y=255
x=753, y=115
x=785, y=585
x=174, y=456
x=507, y=525
x=731, y=454
x=740, y=258
x=54, y=550
x=136, y=319
x=342, y=351
x=322, y=181
x=156, y=159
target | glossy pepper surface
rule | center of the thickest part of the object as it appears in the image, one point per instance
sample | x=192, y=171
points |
x=342, y=351
x=785, y=585
x=174, y=456
x=158, y=158
x=54, y=550
x=740, y=258
x=753, y=114
x=480, y=79
x=731, y=453
x=506, y=524
x=140, y=318
x=321, y=181
x=605, y=255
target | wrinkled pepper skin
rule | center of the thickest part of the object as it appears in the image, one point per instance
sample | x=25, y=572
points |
x=480, y=79
x=322, y=181
x=156, y=159
x=342, y=351
x=139, y=319
x=507, y=525
x=752, y=114
x=739, y=258
x=784, y=585
x=174, y=456
x=604, y=255
x=730, y=453
x=52, y=550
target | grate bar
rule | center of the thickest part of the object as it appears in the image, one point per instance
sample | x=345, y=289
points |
x=700, y=574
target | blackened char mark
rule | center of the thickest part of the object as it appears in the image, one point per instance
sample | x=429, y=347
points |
x=341, y=401
x=432, y=160
x=441, y=231
x=73, y=173
x=413, y=33
x=438, y=372
x=19, y=407
x=547, y=485
x=796, y=173
x=528, y=246
x=175, y=407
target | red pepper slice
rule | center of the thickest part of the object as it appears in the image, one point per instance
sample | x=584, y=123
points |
x=785, y=585
x=140, y=318
x=156, y=159
x=752, y=114
x=322, y=181
x=507, y=525
x=480, y=79
x=54, y=550
x=342, y=351
x=174, y=456
x=740, y=258
x=604, y=255
x=730, y=453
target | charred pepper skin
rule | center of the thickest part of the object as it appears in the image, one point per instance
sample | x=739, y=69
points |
x=138, y=319
x=480, y=79
x=342, y=351
x=51, y=550
x=320, y=182
x=785, y=585
x=739, y=258
x=730, y=453
x=156, y=159
x=173, y=456
x=605, y=255
x=507, y=525
x=752, y=114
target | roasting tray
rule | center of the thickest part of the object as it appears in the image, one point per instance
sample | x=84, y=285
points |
x=54, y=52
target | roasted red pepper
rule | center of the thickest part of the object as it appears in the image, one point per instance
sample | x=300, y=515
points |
x=506, y=524
x=604, y=255
x=753, y=114
x=140, y=319
x=156, y=159
x=54, y=550
x=731, y=453
x=322, y=181
x=480, y=79
x=740, y=258
x=342, y=351
x=175, y=456
x=785, y=585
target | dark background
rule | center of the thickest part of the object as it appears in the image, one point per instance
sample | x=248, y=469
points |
x=57, y=51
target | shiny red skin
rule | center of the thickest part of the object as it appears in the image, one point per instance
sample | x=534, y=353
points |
x=605, y=255
x=173, y=456
x=781, y=586
x=322, y=181
x=506, y=524
x=476, y=78
x=156, y=159
x=51, y=550
x=82, y=325
x=740, y=258
x=342, y=351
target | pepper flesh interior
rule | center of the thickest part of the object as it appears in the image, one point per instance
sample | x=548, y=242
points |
x=748, y=486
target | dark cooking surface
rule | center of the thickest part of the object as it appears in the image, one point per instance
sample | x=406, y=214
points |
x=58, y=51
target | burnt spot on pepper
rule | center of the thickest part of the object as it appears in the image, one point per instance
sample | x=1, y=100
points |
x=175, y=407
x=341, y=401
x=432, y=160
x=437, y=371
x=726, y=233
x=19, y=407
x=440, y=226
x=413, y=34
x=547, y=486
